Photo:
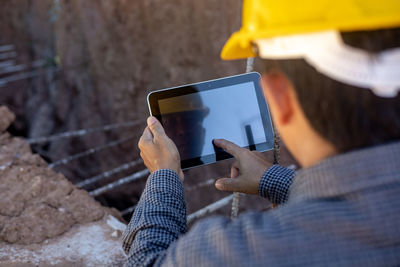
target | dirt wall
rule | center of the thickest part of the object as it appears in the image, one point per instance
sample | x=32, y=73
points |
x=102, y=58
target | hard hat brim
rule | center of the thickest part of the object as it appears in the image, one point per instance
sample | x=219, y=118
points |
x=240, y=45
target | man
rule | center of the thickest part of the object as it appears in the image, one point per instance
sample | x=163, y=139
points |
x=337, y=108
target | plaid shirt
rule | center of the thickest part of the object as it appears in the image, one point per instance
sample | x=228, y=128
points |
x=343, y=211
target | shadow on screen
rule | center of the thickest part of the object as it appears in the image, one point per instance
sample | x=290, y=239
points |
x=250, y=137
x=187, y=132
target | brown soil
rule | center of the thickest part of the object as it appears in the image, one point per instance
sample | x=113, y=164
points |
x=36, y=203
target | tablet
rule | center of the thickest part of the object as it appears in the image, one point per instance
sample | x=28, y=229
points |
x=231, y=108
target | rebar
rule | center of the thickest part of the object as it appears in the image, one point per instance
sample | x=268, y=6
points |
x=4, y=48
x=89, y=152
x=202, y=184
x=11, y=69
x=7, y=55
x=21, y=67
x=82, y=132
x=25, y=75
x=128, y=210
x=6, y=63
x=109, y=173
x=209, y=208
x=136, y=176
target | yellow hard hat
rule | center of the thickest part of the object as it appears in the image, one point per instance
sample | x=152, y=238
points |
x=271, y=18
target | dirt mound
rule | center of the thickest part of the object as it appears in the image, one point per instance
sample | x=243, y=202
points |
x=36, y=203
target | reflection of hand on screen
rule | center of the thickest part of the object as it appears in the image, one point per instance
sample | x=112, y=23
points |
x=187, y=132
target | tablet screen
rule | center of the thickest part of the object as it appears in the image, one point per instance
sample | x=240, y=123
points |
x=199, y=114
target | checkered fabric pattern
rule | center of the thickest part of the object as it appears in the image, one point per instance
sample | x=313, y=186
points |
x=158, y=220
x=275, y=184
x=344, y=211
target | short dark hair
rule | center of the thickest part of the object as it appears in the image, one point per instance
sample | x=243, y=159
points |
x=348, y=117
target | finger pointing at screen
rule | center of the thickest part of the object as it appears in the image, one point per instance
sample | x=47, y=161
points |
x=246, y=171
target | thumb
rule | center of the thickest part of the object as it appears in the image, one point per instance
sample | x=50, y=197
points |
x=228, y=184
x=155, y=126
x=146, y=136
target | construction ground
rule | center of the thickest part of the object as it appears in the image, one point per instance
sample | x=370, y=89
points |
x=74, y=76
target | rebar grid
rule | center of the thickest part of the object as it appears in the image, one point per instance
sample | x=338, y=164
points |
x=7, y=55
x=136, y=176
x=109, y=173
x=6, y=63
x=21, y=67
x=26, y=75
x=90, y=152
x=8, y=47
x=210, y=208
x=83, y=132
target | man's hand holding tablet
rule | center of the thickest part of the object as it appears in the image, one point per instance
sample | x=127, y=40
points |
x=157, y=150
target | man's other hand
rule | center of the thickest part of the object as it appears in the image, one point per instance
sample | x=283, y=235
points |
x=157, y=150
x=246, y=171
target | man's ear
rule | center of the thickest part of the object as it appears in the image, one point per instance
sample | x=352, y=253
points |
x=278, y=92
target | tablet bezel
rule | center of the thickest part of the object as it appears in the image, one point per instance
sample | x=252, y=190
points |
x=154, y=96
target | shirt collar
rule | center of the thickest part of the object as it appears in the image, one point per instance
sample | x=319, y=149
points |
x=348, y=173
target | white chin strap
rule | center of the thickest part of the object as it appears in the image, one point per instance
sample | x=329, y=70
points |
x=326, y=52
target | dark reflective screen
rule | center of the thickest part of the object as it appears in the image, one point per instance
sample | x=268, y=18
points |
x=192, y=121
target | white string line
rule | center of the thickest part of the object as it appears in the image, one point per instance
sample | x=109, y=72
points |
x=90, y=152
x=109, y=173
x=235, y=205
x=8, y=55
x=21, y=67
x=236, y=195
x=209, y=208
x=4, y=48
x=82, y=132
x=128, y=210
x=26, y=75
x=250, y=64
x=136, y=176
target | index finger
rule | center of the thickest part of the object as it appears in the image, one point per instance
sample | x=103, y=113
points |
x=229, y=147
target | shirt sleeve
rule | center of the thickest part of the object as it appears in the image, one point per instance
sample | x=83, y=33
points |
x=156, y=234
x=159, y=219
x=275, y=184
